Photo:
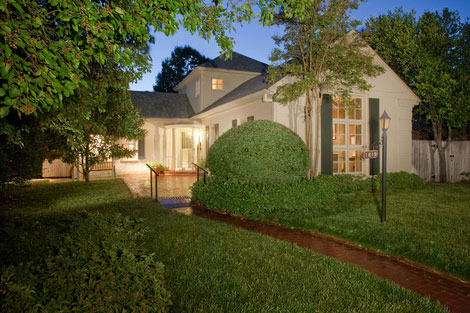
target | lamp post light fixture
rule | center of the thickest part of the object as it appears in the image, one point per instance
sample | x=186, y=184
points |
x=384, y=124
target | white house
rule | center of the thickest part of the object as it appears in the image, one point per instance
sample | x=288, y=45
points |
x=221, y=94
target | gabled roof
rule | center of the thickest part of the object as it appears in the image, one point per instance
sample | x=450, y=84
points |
x=249, y=87
x=238, y=62
x=161, y=104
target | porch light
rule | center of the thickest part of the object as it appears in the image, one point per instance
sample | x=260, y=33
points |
x=385, y=121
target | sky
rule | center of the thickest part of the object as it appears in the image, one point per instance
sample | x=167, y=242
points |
x=256, y=41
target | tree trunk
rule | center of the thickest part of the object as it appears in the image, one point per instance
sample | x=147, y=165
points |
x=308, y=133
x=437, y=130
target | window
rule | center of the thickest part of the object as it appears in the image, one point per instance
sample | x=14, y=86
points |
x=216, y=131
x=217, y=84
x=133, y=146
x=250, y=118
x=198, y=87
x=234, y=123
x=186, y=140
x=348, y=127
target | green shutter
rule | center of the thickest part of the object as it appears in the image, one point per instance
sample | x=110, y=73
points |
x=374, y=131
x=141, y=148
x=327, y=135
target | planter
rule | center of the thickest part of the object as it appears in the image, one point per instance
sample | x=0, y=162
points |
x=159, y=170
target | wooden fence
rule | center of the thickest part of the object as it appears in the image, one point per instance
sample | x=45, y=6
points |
x=426, y=159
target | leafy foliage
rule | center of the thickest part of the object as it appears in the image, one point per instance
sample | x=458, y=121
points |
x=19, y=162
x=47, y=45
x=98, y=268
x=259, y=153
x=155, y=164
x=175, y=68
x=93, y=123
x=431, y=54
x=319, y=195
x=319, y=52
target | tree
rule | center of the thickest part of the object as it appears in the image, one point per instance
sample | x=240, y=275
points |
x=49, y=48
x=319, y=51
x=431, y=54
x=175, y=68
x=93, y=122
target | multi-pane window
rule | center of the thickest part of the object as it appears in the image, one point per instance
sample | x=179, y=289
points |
x=198, y=87
x=217, y=84
x=348, y=133
x=186, y=140
x=133, y=146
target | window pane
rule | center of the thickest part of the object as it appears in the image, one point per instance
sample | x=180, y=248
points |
x=355, y=161
x=339, y=136
x=216, y=131
x=186, y=138
x=339, y=161
x=234, y=123
x=217, y=84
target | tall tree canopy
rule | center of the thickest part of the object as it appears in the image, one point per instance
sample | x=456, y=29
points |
x=50, y=49
x=175, y=68
x=47, y=46
x=431, y=53
x=319, y=52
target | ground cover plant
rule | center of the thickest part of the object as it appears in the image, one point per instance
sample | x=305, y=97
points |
x=426, y=223
x=209, y=267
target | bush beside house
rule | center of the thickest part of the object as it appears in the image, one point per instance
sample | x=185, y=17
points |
x=261, y=167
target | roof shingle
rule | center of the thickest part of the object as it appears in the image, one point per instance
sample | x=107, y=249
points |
x=238, y=62
x=161, y=104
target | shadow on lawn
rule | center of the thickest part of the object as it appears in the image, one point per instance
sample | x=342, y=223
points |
x=375, y=192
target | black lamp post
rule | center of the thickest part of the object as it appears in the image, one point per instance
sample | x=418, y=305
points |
x=384, y=124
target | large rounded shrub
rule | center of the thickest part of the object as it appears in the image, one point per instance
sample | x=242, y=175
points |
x=260, y=152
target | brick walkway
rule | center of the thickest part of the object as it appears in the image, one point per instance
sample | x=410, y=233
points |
x=449, y=291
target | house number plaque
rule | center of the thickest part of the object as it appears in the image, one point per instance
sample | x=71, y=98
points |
x=371, y=154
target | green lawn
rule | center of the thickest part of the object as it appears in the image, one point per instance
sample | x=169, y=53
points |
x=209, y=267
x=430, y=226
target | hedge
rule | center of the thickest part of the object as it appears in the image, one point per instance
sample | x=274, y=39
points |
x=259, y=153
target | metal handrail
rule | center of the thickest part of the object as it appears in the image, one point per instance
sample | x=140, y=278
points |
x=156, y=175
x=205, y=172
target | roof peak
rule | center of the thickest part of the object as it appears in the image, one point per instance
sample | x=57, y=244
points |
x=238, y=62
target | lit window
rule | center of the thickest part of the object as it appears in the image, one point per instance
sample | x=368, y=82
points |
x=133, y=146
x=347, y=136
x=198, y=87
x=186, y=140
x=217, y=84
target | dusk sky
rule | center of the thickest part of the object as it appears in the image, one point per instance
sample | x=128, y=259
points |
x=255, y=41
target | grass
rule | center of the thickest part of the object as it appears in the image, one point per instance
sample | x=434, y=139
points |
x=430, y=226
x=209, y=267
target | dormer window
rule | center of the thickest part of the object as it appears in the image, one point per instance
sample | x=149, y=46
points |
x=198, y=87
x=217, y=84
